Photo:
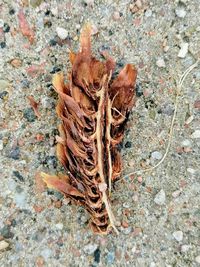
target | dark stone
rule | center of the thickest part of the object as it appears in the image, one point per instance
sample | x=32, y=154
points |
x=51, y=161
x=5, y=232
x=97, y=255
x=11, y=11
x=120, y=64
x=128, y=144
x=47, y=13
x=55, y=69
x=13, y=223
x=25, y=83
x=3, y=44
x=54, y=132
x=138, y=89
x=143, y=184
x=3, y=94
x=150, y=104
x=29, y=114
x=48, y=23
x=110, y=32
x=14, y=153
x=6, y=27
x=53, y=42
x=18, y=176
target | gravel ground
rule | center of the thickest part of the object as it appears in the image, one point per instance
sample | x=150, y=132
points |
x=157, y=211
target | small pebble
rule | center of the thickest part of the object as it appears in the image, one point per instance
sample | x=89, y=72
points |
x=160, y=197
x=183, y=50
x=5, y=232
x=97, y=255
x=59, y=226
x=20, y=199
x=176, y=193
x=116, y=15
x=191, y=170
x=178, y=235
x=89, y=2
x=148, y=13
x=197, y=259
x=1, y=145
x=90, y=248
x=4, y=84
x=156, y=155
x=62, y=33
x=197, y=104
x=186, y=143
x=46, y=253
x=127, y=230
x=1, y=23
x=161, y=63
x=3, y=245
x=3, y=44
x=110, y=257
x=6, y=27
x=196, y=134
x=185, y=248
x=18, y=176
x=15, y=153
x=29, y=114
x=152, y=264
x=180, y=12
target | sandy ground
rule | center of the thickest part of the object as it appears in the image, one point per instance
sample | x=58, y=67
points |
x=157, y=211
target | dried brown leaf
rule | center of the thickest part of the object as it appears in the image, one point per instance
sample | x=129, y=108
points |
x=34, y=105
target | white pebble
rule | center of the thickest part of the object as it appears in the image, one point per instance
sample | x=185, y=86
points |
x=46, y=253
x=191, y=170
x=180, y=12
x=62, y=33
x=152, y=264
x=3, y=245
x=156, y=155
x=160, y=63
x=59, y=226
x=178, y=235
x=148, y=13
x=160, y=197
x=185, y=248
x=1, y=144
x=197, y=259
x=20, y=199
x=186, y=143
x=184, y=50
x=176, y=193
x=1, y=23
x=90, y=248
x=196, y=134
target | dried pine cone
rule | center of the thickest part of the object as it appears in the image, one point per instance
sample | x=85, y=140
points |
x=93, y=109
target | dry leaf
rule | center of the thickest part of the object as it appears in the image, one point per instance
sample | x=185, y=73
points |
x=94, y=110
x=34, y=105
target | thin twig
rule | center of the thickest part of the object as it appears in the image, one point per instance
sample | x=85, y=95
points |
x=178, y=90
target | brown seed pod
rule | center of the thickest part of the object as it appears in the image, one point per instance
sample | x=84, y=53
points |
x=93, y=108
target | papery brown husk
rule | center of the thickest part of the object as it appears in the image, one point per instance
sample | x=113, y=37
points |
x=94, y=109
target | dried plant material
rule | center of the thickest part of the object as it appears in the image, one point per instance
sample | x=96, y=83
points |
x=34, y=105
x=94, y=109
x=24, y=27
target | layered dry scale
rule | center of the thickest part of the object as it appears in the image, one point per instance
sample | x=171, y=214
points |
x=94, y=108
